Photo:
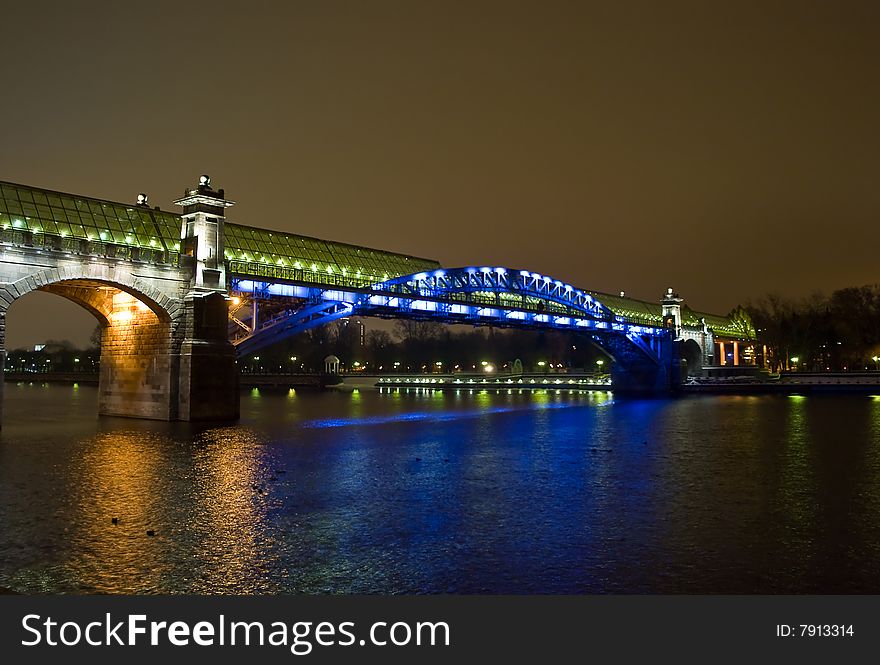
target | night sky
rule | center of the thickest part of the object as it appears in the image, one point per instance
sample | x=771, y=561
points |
x=727, y=152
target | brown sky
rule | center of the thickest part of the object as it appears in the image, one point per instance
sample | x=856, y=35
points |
x=724, y=151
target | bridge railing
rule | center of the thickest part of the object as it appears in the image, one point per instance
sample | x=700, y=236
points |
x=69, y=245
x=501, y=299
x=299, y=275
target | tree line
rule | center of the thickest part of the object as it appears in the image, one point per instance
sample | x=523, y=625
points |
x=840, y=332
x=56, y=356
x=425, y=346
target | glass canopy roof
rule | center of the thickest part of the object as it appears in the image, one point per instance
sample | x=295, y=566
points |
x=53, y=213
x=320, y=257
x=649, y=313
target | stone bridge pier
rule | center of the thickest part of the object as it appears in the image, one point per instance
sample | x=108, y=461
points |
x=641, y=371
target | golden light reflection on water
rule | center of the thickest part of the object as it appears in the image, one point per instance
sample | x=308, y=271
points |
x=204, y=501
x=356, y=406
x=120, y=477
x=875, y=417
x=229, y=478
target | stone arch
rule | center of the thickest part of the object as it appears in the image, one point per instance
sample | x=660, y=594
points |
x=160, y=303
x=692, y=354
x=97, y=301
x=138, y=322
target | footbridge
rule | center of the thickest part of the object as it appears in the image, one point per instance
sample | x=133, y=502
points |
x=180, y=296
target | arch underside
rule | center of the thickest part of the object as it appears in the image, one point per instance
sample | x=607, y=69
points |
x=72, y=281
x=97, y=302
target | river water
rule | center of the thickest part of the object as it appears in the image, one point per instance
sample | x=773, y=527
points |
x=431, y=492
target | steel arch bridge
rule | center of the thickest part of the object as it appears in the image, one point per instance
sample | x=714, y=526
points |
x=495, y=296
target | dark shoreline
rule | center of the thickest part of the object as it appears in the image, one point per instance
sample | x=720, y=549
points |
x=843, y=385
x=782, y=389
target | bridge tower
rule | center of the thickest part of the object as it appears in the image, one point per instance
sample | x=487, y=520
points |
x=671, y=303
x=201, y=233
x=687, y=336
x=208, y=375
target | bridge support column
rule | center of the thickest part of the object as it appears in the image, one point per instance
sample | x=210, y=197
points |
x=207, y=371
x=646, y=377
x=642, y=380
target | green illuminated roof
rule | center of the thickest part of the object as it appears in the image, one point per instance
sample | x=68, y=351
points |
x=319, y=257
x=721, y=325
x=637, y=311
x=43, y=211
x=649, y=313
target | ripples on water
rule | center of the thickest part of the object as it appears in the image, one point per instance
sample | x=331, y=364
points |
x=427, y=492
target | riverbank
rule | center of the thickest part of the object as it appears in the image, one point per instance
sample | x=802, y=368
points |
x=481, y=381
x=51, y=377
x=787, y=384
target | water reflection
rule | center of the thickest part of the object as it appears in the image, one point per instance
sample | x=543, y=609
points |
x=117, y=481
x=412, y=490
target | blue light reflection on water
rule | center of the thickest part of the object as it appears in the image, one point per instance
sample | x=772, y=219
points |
x=422, y=415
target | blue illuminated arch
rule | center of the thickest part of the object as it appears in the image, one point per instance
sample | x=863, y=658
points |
x=444, y=283
x=494, y=296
